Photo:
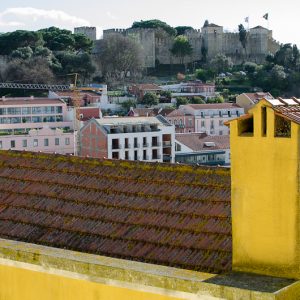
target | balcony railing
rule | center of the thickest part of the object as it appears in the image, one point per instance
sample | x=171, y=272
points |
x=145, y=145
x=167, y=143
x=156, y=157
x=156, y=144
x=136, y=145
x=127, y=146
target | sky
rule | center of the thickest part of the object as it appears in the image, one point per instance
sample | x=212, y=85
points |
x=36, y=14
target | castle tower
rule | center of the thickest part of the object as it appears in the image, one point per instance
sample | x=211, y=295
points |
x=265, y=189
x=213, y=39
x=90, y=32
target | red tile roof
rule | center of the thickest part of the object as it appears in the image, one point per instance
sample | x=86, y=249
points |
x=88, y=113
x=196, y=141
x=29, y=101
x=213, y=106
x=255, y=97
x=158, y=213
x=291, y=112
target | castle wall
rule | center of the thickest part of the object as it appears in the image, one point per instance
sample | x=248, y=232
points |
x=156, y=44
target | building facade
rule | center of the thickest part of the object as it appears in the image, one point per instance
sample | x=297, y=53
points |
x=210, y=118
x=90, y=32
x=248, y=100
x=36, y=124
x=129, y=138
x=201, y=149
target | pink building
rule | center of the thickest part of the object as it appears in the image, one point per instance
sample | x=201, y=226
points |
x=184, y=122
x=28, y=124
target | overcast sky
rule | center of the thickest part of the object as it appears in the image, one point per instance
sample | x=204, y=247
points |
x=36, y=14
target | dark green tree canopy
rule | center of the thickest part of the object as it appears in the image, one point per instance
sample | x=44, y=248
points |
x=181, y=47
x=150, y=99
x=19, y=39
x=155, y=24
x=243, y=35
x=182, y=29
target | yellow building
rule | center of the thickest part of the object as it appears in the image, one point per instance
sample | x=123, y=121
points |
x=82, y=229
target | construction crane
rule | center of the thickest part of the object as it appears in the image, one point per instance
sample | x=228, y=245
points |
x=75, y=91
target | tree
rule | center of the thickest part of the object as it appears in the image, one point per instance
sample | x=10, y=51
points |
x=197, y=100
x=182, y=29
x=83, y=43
x=221, y=63
x=126, y=105
x=120, y=57
x=217, y=99
x=243, y=36
x=22, y=53
x=155, y=24
x=150, y=99
x=206, y=23
x=203, y=51
x=19, y=39
x=181, y=48
x=181, y=101
x=80, y=63
x=250, y=67
x=58, y=39
x=33, y=70
x=204, y=74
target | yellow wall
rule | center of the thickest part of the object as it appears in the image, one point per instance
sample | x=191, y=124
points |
x=16, y=284
x=265, y=199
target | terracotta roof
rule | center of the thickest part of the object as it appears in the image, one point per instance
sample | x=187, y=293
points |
x=150, y=112
x=213, y=106
x=255, y=97
x=148, y=86
x=196, y=141
x=29, y=101
x=89, y=113
x=164, y=214
x=287, y=109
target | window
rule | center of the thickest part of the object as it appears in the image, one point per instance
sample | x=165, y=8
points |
x=26, y=119
x=2, y=111
x=36, y=119
x=26, y=110
x=36, y=110
x=282, y=127
x=202, y=123
x=12, y=144
x=127, y=155
x=145, y=142
x=144, y=154
x=220, y=122
x=67, y=141
x=245, y=127
x=220, y=113
x=35, y=143
x=24, y=143
x=46, y=142
x=56, y=141
x=229, y=113
x=237, y=113
x=264, y=121
x=0, y=144
x=190, y=122
x=212, y=124
x=136, y=145
x=202, y=114
x=220, y=132
x=13, y=111
x=59, y=109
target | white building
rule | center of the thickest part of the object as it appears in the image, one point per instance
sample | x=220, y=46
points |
x=35, y=124
x=129, y=138
x=210, y=118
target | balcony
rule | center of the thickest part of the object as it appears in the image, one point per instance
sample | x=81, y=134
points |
x=156, y=157
x=156, y=144
x=167, y=144
x=145, y=145
x=167, y=158
x=179, y=126
x=116, y=147
x=127, y=146
x=136, y=145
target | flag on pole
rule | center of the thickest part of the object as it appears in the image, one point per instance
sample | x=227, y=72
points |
x=247, y=19
x=266, y=16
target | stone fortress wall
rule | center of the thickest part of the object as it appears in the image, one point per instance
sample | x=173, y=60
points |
x=156, y=44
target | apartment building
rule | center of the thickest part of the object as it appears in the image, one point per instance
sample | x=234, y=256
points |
x=202, y=149
x=129, y=138
x=210, y=118
x=35, y=124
